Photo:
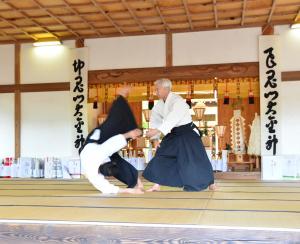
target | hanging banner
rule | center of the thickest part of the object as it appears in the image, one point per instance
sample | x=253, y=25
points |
x=79, y=97
x=270, y=83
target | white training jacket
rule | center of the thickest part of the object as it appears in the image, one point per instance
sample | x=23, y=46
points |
x=172, y=113
x=93, y=155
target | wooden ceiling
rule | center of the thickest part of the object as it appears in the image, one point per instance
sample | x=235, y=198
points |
x=29, y=20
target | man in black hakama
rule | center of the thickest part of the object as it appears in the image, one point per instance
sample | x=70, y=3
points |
x=180, y=159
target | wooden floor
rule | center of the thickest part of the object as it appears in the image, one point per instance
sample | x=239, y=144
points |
x=73, y=211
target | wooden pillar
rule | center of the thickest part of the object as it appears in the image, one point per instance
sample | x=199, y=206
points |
x=267, y=29
x=17, y=102
x=169, y=50
x=79, y=43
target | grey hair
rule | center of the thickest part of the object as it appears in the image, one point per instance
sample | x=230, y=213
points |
x=166, y=83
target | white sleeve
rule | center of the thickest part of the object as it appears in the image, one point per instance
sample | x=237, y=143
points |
x=178, y=110
x=112, y=145
x=156, y=119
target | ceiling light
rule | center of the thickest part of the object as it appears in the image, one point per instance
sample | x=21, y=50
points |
x=295, y=26
x=47, y=42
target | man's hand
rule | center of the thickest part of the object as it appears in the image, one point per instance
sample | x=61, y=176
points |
x=152, y=132
x=156, y=144
x=133, y=134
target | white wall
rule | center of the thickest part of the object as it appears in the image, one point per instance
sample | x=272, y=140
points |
x=7, y=64
x=46, y=124
x=7, y=125
x=126, y=52
x=290, y=92
x=290, y=45
x=214, y=47
x=45, y=64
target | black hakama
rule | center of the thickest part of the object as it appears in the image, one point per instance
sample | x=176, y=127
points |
x=119, y=168
x=181, y=161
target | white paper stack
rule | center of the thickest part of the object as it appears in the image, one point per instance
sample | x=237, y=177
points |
x=25, y=167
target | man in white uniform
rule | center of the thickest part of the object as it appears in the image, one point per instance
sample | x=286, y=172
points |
x=180, y=159
x=94, y=155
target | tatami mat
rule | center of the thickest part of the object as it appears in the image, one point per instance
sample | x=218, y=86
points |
x=235, y=203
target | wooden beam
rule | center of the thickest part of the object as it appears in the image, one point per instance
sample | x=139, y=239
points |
x=97, y=5
x=23, y=13
x=174, y=7
x=8, y=36
x=233, y=70
x=39, y=87
x=297, y=16
x=142, y=74
x=79, y=43
x=267, y=30
x=169, y=50
x=83, y=19
x=7, y=88
x=156, y=6
x=187, y=12
x=290, y=76
x=235, y=26
x=215, y=13
x=198, y=14
x=18, y=28
x=45, y=87
x=17, y=102
x=176, y=16
x=272, y=11
x=56, y=18
x=54, y=6
x=133, y=15
x=244, y=12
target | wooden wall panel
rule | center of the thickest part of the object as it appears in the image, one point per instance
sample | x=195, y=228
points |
x=233, y=70
x=136, y=108
x=290, y=76
x=169, y=49
x=17, y=101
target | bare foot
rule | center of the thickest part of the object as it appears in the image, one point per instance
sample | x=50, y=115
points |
x=131, y=191
x=155, y=187
x=212, y=187
x=139, y=184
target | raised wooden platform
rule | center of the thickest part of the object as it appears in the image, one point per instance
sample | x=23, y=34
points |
x=253, y=175
x=52, y=211
x=72, y=233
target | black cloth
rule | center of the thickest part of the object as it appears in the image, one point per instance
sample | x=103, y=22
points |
x=121, y=170
x=120, y=120
x=181, y=161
